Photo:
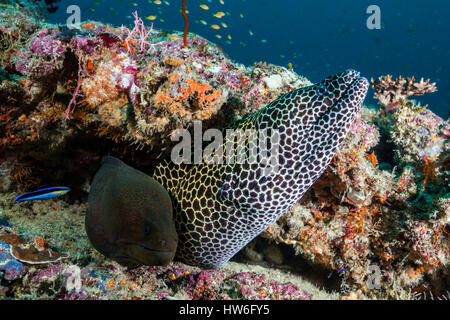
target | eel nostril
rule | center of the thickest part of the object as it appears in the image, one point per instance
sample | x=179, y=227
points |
x=163, y=243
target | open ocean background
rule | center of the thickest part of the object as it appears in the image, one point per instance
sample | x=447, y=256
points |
x=318, y=38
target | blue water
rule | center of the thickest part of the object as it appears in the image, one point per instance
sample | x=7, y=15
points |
x=319, y=38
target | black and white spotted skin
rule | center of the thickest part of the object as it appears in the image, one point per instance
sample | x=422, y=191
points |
x=219, y=208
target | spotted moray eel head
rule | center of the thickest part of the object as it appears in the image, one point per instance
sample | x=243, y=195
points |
x=337, y=95
x=221, y=208
x=312, y=123
x=324, y=114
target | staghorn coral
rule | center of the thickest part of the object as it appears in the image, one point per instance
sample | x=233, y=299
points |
x=391, y=93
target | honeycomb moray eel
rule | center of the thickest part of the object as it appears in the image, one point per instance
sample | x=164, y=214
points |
x=129, y=217
x=219, y=208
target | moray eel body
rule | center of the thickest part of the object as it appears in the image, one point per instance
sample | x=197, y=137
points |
x=129, y=217
x=219, y=208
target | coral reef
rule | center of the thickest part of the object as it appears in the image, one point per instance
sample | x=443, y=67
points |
x=11, y=268
x=378, y=219
x=390, y=93
x=43, y=55
x=386, y=216
x=94, y=277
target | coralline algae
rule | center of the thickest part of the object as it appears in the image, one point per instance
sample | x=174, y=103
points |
x=11, y=268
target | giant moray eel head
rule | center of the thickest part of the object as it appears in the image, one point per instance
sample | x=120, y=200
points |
x=145, y=235
x=129, y=217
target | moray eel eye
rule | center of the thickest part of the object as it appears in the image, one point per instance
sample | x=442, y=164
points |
x=146, y=229
x=321, y=90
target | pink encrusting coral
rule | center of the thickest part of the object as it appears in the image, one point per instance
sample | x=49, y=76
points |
x=43, y=56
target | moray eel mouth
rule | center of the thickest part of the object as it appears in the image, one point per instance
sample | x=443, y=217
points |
x=155, y=251
x=346, y=92
x=135, y=254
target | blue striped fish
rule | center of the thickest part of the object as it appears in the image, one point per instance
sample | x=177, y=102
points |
x=45, y=193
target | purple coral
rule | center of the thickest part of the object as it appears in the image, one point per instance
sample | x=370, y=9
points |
x=255, y=286
x=43, y=56
x=11, y=268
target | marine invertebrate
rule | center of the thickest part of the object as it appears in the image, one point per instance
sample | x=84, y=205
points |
x=43, y=56
x=110, y=79
x=203, y=99
x=254, y=286
x=429, y=171
x=11, y=268
x=77, y=91
x=45, y=193
x=22, y=174
x=417, y=135
x=236, y=202
x=16, y=25
x=186, y=23
x=357, y=214
x=34, y=252
x=373, y=158
x=110, y=133
x=129, y=217
x=391, y=93
x=138, y=37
